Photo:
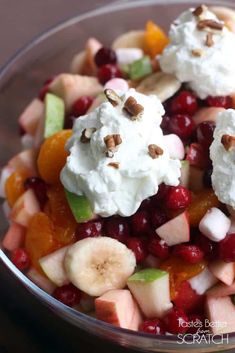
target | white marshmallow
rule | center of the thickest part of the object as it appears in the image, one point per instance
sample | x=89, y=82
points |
x=202, y=282
x=175, y=146
x=126, y=56
x=215, y=225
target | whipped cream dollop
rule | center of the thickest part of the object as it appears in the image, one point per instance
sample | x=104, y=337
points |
x=117, y=182
x=201, y=56
x=222, y=154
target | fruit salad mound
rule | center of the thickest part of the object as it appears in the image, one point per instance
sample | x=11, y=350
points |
x=121, y=202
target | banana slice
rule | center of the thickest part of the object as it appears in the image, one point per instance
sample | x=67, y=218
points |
x=225, y=14
x=132, y=39
x=161, y=84
x=96, y=265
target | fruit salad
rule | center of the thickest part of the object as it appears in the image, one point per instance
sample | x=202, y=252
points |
x=121, y=203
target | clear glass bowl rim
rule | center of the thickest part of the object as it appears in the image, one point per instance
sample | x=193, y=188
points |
x=73, y=315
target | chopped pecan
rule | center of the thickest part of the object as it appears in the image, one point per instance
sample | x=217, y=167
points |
x=86, y=134
x=199, y=10
x=114, y=165
x=209, y=40
x=133, y=108
x=228, y=142
x=155, y=151
x=112, y=97
x=197, y=52
x=111, y=142
x=212, y=24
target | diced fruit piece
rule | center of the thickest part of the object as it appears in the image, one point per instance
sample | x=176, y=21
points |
x=175, y=146
x=187, y=298
x=24, y=208
x=196, y=156
x=189, y=253
x=25, y=162
x=201, y=203
x=14, y=237
x=80, y=207
x=220, y=102
x=181, y=125
x=116, y=307
x=155, y=327
x=20, y=259
x=71, y=87
x=54, y=114
x=53, y=266
x=185, y=102
x=81, y=106
x=92, y=46
x=140, y=68
x=175, y=231
x=227, y=248
x=40, y=238
x=178, y=197
x=185, y=174
x=6, y=210
x=221, y=310
x=31, y=116
x=105, y=56
x=78, y=63
x=53, y=153
x=215, y=224
x=126, y=56
x=137, y=318
x=151, y=289
x=221, y=290
x=176, y=321
x=104, y=264
x=205, y=131
x=119, y=85
x=67, y=294
x=203, y=281
x=40, y=280
x=108, y=72
x=224, y=271
x=14, y=187
x=155, y=39
x=206, y=114
x=131, y=39
x=5, y=174
x=195, y=179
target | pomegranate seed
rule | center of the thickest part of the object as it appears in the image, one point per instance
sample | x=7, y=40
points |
x=88, y=229
x=81, y=105
x=176, y=321
x=161, y=194
x=165, y=124
x=117, y=228
x=20, y=259
x=67, y=294
x=190, y=253
x=43, y=91
x=107, y=72
x=181, y=125
x=158, y=217
x=49, y=80
x=138, y=247
x=178, y=197
x=140, y=223
x=196, y=322
x=184, y=103
x=39, y=187
x=206, y=245
x=158, y=247
x=105, y=56
x=207, y=177
x=155, y=327
x=220, y=101
x=227, y=248
x=205, y=132
x=145, y=204
x=197, y=156
x=69, y=120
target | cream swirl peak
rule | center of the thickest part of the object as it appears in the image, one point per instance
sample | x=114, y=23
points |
x=201, y=53
x=117, y=155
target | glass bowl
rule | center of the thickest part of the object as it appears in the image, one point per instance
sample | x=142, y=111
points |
x=20, y=81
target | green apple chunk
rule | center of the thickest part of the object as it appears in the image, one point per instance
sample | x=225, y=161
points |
x=151, y=289
x=54, y=114
x=79, y=206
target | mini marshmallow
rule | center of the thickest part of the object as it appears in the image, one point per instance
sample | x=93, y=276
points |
x=215, y=225
x=202, y=282
x=119, y=85
x=175, y=146
x=126, y=56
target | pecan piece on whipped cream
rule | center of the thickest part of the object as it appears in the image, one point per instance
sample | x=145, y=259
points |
x=111, y=142
x=112, y=97
x=210, y=24
x=197, y=52
x=133, y=108
x=228, y=142
x=114, y=165
x=209, y=39
x=199, y=10
x=155, y=151
x=86, y=134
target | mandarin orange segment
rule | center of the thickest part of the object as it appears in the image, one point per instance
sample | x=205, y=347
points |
x=155, y=39
x=52, y=156
x=40, y=238
x=180, y=271
x=202, y=202
x=14, y=187
x=61, y=215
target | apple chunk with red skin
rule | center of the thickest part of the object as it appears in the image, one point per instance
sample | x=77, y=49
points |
x=14, y=237
x=31, y=116
x=24, y=208
x=25, y=162
x=222, y=311
x=175, y=231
